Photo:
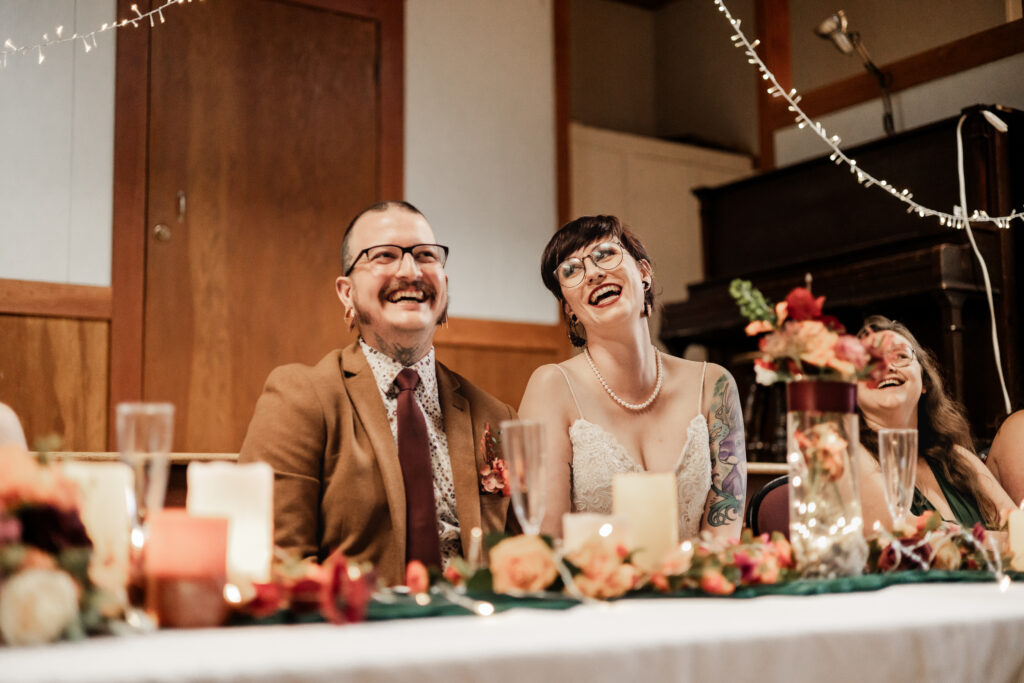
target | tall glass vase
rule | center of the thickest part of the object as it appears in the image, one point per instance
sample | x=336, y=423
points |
x=826, y=526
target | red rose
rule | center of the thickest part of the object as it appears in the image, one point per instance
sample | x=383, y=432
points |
x=801, y=305
x=268, y=599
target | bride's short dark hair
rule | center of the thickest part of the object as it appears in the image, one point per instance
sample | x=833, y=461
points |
x=578, y=234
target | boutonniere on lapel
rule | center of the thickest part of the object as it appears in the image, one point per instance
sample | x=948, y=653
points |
x=493, y=473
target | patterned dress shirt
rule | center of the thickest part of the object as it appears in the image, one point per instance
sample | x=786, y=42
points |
x=385, y=370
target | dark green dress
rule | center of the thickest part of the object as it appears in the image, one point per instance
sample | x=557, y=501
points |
x=964, y=506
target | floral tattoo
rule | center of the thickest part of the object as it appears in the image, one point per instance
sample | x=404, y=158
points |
x=728, y=454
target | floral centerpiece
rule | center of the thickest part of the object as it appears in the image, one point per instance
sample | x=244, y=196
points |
x=801, y=342
x=927, y=542
x=45, y=589
x=820, y=363
x=337, y=591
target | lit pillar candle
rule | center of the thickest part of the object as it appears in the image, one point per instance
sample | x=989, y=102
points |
x=243, y=494
x=185, y=567
x=1016, y=540
x=580, y=527
x=103, y=489
x=648, y=501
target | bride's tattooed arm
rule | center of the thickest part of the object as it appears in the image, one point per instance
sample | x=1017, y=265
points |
x=728, y=458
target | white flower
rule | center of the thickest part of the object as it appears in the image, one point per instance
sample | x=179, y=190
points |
x=765, y=376
x=36, y=605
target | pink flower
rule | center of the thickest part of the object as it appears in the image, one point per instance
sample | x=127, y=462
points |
x=802, y=305
x=453, y=575
x=522, y=564
x=416, y=577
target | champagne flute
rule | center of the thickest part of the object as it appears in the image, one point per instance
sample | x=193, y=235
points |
x=144, y=437
x=897, y=453
x=522, y=444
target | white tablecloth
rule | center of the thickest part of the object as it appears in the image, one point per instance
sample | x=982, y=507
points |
x=920, y=632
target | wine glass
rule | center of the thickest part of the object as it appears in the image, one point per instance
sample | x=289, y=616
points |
x=897, y=452
x=144, y=436
x=522, y=444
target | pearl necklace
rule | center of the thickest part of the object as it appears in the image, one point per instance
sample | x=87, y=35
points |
x=628, y=406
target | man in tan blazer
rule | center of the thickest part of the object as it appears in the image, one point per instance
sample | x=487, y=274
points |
x=329, y=431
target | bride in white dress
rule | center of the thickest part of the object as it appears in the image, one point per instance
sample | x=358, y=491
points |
x=621, y=405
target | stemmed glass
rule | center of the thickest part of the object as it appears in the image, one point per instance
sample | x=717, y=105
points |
x=897, y=453
x=522, y=444
x=144, y=435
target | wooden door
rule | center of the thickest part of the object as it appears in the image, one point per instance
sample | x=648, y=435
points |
x=263, y=142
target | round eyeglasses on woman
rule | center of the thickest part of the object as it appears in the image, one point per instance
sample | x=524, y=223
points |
x=571, y=271
x=388, y=257
x=900, y=355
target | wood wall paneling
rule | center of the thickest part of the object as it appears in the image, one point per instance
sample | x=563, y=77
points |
x=131, y=93
x=499, y=357
x=54, y=374
x=772, y=24
x=28, y=297
x=563, y=168
x=132, y=224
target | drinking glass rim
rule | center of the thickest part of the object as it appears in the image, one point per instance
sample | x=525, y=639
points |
x=145, y=407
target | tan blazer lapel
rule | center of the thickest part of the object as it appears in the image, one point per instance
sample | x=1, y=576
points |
x=365, y=397
x=458, y=428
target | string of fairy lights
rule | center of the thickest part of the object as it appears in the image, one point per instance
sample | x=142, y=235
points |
x=958, y=219
x=88, y=40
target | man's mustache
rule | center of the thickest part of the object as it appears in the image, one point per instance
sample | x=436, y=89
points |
x=428, y=290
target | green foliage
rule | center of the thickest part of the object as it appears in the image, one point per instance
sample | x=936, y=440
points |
x=752, y=304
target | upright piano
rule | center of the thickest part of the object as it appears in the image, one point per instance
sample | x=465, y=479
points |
x=862, y=250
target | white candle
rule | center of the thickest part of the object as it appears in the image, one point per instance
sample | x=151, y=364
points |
x=1016, y=534
x=243, y=494
x=648, y=501
x=580, y=527
x=103, y=489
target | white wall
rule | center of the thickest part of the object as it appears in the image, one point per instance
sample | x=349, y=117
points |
x=56, y=144
x=998, y=82
x=480, y=147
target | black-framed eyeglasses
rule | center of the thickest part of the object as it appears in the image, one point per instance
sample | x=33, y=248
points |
x=571, y=271
x=389, y=256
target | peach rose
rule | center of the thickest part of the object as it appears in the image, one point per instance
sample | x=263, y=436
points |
x=602, y=571
x=714, y=582
x=416, y=577
x=946, y=555
x=522, y=564
x=609, y=585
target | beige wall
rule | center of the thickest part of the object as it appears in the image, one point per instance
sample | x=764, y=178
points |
x=612, y=65
x=706, y=89
x=647, y=183
x=480, y=147
x=890, y=31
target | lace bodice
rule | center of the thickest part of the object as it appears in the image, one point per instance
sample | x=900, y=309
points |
x=597, y=457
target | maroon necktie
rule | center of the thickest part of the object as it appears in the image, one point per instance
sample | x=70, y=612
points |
x=421, y=542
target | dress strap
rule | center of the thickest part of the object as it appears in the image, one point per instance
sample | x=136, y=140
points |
x=573, y=393
x=700, y=394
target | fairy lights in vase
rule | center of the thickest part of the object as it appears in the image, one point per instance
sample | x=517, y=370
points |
x=958, y=219
x=88, y=40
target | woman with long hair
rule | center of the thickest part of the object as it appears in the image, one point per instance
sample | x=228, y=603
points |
x=622, y=405
x=951, y=479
